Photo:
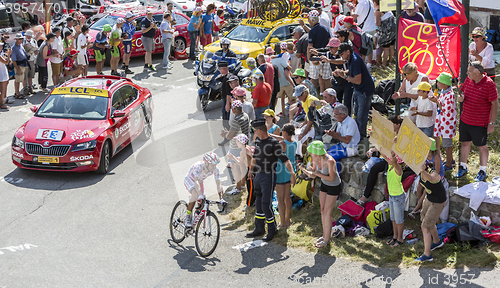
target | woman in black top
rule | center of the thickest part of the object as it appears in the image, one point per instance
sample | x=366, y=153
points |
x=432, y=207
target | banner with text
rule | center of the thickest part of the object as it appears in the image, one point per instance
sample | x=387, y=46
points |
x=382, y=136
x=418, y=43
x=412, y=145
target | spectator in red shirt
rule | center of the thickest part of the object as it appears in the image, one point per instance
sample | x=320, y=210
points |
x=267, y=69
x=70, y=69
x=480, y=105
x=261, y=95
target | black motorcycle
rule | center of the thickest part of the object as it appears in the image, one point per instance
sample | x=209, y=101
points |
x=209, y=79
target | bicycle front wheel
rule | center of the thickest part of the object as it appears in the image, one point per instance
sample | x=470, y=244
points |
x=176, y=219
x=207, y=235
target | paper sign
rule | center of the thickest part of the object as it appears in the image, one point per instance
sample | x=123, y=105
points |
x=412, y=145
x=390, y=5
x=382, y=136
x=49, y=134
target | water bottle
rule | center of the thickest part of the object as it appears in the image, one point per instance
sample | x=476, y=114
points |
x=412, y=241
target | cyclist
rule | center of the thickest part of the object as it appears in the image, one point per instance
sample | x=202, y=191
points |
x=193, y=181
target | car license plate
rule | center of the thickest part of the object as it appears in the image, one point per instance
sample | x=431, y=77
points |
x=46, y=159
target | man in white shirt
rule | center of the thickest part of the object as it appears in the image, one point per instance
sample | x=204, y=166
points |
x=81, y=47
x=56, y=61
x=338, y=19
x=324, y=19
x=364, y=15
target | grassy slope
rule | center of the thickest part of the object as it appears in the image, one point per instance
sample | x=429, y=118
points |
x=306, y=223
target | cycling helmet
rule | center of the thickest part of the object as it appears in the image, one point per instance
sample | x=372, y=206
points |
x=225, y=41
x=283, y=46
x=211, y=158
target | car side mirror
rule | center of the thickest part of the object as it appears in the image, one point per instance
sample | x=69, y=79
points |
x=34, y=108
x=118, y=114
x=275, y=40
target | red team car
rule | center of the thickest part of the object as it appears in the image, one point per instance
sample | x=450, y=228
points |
x=181, y=41
x=80, y=126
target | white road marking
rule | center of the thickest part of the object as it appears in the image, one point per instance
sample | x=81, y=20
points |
x=6, y=145
x=250, y=245
x=17, y=248
x=191, y=77
x=11, y=180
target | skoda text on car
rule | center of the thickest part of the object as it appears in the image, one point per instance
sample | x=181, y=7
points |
x=181, y=41
x=252, y=36
x=82, y=124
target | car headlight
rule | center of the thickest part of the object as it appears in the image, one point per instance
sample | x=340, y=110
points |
x=90, y=145
x=17, y=142
x=242, y=56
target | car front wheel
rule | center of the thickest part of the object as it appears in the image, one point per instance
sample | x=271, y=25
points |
x=105, y=159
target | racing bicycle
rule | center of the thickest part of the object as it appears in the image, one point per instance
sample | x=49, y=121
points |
x=206, y=228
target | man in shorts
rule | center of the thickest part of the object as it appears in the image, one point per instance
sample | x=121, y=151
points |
x=193, y=181
x=114, y=40
x=56, y=60
x=82, y=44
x=101, y=40
x=128, y=29
x=148, y=27
x=320, y=72
x=31, y=48
x=20, y=60
x=480, y=99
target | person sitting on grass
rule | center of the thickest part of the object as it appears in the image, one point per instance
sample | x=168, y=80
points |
x=396, y=199
x=432, y=207
x=433, y=157
x=324, y=167
x=424, y=110
x=446, y=119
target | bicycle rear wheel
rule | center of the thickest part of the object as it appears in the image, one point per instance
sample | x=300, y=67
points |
x=207, y=235
x=177, y=217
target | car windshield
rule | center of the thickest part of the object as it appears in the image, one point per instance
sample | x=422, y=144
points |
x=81, y=107
x=111, y=20
x=248, y=34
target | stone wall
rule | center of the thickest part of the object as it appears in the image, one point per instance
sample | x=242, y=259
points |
x=354, y=182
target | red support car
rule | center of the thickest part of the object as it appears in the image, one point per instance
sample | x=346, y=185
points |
x=82, y=124
x=181, y=42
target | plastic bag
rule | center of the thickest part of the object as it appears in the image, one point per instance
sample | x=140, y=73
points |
x=483, y=221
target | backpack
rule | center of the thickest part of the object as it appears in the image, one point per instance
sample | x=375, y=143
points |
x=366, y=42
x=492, y=36
x=464, y=233
x=387, y=31
x=385, y=229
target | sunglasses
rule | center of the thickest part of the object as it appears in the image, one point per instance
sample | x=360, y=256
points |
x=477, y=36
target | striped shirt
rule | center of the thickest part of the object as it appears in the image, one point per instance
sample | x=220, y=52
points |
x=477, y=101
x=240, y=124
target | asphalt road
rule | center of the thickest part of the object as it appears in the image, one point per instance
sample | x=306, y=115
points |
x=89, y=230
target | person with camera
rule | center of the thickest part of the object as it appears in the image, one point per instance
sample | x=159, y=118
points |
x=21, y=66
x=148, y=27
x=4, y=76
x=100, y=43
x=31, y=48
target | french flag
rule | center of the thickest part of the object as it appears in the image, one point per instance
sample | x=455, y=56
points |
x=447, y=11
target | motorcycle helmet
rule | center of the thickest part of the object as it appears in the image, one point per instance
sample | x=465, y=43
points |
x=211, y=158
x=225, y=41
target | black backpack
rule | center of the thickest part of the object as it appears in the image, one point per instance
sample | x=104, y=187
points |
x=385, y=229
x=387, y=31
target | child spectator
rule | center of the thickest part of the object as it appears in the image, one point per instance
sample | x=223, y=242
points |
x=446, y=118
x=294, y=61
x=433, y=157
x=219, y=23
x=283, y=184
x=271, y=121
x=424, y=109
x=434, y=204
x=396, y=199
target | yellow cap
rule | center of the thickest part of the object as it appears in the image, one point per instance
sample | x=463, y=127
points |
x=269, y=112
x=424, y=86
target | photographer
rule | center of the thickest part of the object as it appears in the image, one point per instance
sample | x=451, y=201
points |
x=148, y=27
x=115, y=39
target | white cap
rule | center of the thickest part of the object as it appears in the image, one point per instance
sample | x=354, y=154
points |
x=129, y=15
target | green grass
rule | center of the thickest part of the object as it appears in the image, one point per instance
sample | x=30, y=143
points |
x=306, y=222
x=306, y=228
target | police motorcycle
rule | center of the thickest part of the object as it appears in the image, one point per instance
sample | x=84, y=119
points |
x=209, y=78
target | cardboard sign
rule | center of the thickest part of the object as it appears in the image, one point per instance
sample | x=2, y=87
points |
x=390, y=5
x=382, y=136
x=412, y=145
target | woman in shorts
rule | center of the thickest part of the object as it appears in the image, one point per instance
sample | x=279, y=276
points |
x=432, y=207
x=283, y=184
x=324, y=167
